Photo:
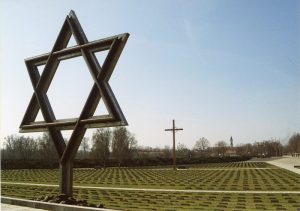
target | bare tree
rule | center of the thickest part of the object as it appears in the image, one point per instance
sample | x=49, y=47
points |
x=221, y=147
x=167, y=153
x=123, y=144
x=11, y=152
x=47, y=149
x=276, y=147
x=201, y=146
x=245, y=149
x=182, y=151
x=101, y=143
x=20, y=147
x=84, y=148
x=133, y=145
x=294, y=143
x=267, y=148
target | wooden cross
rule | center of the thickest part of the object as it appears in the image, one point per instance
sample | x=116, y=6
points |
x=174, y=130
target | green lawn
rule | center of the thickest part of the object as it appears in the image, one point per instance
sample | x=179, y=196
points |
x=229, y=176
x=142, y=200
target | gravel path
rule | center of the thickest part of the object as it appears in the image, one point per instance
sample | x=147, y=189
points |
x=213, y=169
x=287, y=163
x=10, y=207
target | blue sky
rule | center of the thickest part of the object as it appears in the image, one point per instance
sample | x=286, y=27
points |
x=220, y=68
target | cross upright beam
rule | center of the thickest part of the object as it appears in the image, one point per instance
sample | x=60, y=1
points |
x=174, y=130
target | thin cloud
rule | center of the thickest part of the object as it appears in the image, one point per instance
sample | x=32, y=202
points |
x=188, y=31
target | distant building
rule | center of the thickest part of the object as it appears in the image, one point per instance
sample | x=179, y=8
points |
x=231, y=152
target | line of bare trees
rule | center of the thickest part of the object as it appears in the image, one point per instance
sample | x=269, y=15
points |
x=222, y=149
x=119, y=145
x=27, y=148
x=266, y=148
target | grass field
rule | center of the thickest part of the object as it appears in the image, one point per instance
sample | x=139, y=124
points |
x=259, y=177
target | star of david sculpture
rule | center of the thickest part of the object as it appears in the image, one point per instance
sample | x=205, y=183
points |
x=100, y=90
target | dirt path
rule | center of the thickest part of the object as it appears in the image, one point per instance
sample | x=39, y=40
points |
x=158, y=190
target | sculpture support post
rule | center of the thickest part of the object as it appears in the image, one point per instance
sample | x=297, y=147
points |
x=66, y=178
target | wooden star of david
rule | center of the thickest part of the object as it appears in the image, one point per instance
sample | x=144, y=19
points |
x=100, y=89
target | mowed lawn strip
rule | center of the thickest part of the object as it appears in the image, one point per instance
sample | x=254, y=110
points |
x=238, y=179
x=235, y=177
x=143, y=200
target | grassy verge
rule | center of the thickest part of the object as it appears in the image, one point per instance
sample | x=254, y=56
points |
x=142, y=200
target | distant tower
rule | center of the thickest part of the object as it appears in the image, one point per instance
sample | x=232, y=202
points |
x=231, y=142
